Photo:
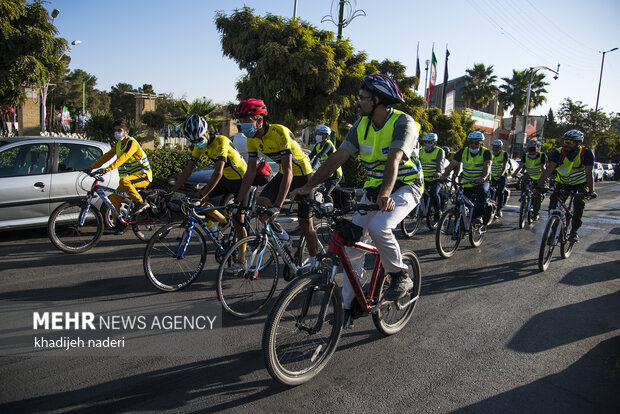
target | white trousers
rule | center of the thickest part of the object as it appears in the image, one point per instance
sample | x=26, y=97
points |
x=378, y=228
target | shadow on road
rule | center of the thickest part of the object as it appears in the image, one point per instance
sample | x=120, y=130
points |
x=586, y=275
x=566, y=391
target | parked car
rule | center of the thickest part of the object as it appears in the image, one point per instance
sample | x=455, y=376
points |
x=37, y=174
x=609, y=171
x=598, y=171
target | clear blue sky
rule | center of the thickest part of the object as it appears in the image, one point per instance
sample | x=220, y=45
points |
x=174, y=45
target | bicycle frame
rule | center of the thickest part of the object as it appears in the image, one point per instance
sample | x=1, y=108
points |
x=100, y=191
x=564, y=213
x=463, y=201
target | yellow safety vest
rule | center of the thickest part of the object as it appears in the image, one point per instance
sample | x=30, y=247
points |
x=136, y=164
x=319, y=149
x=534, y=166
x=472, y=166
x=497, y=164
x=429, y=163
x=374, y=148
x=571, y=172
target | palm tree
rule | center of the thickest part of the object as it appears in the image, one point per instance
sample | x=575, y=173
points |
x=202, y=107
x=513, y=93
x=479, y=87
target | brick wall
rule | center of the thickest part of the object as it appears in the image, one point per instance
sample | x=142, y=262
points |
x=29, y=114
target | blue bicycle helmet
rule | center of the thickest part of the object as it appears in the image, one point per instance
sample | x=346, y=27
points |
x=476, y=135
x=497, y=143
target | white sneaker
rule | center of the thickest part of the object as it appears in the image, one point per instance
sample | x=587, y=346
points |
x=235, y=268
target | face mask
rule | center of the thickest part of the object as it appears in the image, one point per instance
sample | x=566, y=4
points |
x=496, y=153
x=532, y=156
x=428, y=147
x=202, y=144
x=474, y=151
x=248, y=129
x=118, y=136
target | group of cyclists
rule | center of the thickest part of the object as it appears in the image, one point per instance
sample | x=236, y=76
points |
x=397, y=174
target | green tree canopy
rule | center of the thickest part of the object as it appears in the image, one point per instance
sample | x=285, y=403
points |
x=480, y=86
x=294, y=67
x=513, y=93
x=30, y=52
x=123, y=101
x=68, y=92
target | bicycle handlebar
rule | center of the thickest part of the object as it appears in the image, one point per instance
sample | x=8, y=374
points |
x=328, y=210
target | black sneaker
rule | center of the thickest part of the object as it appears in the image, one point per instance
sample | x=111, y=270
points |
x=536, y=217
x=400, y=284
x=574, y=237
x=118, y=229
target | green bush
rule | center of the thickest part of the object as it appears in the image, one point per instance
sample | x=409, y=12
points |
x=354, y=173
x=166, y=163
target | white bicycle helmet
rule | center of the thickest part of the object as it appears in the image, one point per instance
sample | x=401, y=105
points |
x=497, y=143
x=430, y=137
x=476, y=135
x=195, y=129
x=574, y=135
x=323, y=129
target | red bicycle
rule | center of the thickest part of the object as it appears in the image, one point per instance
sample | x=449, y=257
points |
x=304, y=327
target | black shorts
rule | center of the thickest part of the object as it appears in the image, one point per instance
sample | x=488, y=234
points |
x=223, y=188
x=272, y=189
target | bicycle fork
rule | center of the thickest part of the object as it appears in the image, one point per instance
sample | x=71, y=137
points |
x=324, y=305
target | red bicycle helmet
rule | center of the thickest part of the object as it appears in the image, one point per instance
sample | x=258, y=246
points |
x=250, y=107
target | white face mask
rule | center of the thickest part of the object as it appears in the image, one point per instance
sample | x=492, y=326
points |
x=474, y=151
x=118, y=136
x=428, y=147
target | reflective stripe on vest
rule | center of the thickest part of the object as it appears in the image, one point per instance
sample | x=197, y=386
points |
x=472, y=166
x=133, y=165
x=497, y=164
x=571, y=172
x=534, y=166
x=429, y=163
x=374, y=149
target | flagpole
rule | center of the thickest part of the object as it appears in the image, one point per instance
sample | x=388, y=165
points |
x=426, y=84
x=444, y=90
x=431, y=81
x=417, y=60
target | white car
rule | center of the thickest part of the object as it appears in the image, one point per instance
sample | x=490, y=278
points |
x=37, y=174
x=609, y=171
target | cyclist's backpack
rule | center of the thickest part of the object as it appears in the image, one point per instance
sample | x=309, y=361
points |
x=343, y=197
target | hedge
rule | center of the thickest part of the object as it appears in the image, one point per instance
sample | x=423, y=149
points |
x=166, y=163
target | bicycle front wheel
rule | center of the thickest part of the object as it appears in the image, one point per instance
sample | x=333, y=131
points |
x=410, y=224
x=66, y=232
x=547, y=243
x=447, y=237
x=302, y=330
x=146, y=224
x=172, y=259
x=476, y=235
x=393, y=317
x=523, y=213
x=245, y=287
x=566, y=246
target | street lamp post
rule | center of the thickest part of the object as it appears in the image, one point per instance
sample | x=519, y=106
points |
x=47, y=85
x=601, y=77
x=529, y=90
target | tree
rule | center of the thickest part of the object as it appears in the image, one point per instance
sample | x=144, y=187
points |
x=146, y=88
x=551, y=128
x=68, y=92
x=480, y=87
x=123, y=101
x=30, y=52
x=293, y=66
x=202, y=107
x=451, y=129
x=513, y=93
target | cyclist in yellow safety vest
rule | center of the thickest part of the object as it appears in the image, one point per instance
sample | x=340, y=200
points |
x=432, y=158
x=323, y=149
x=476, y=161
x=499, y=170
x=134, y=170
x=574, y=164
x=386, y=141
x=533, y=163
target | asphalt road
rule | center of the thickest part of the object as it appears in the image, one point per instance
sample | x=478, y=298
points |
x=490, y=334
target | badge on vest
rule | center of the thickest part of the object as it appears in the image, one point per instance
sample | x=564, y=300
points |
x=385, y=150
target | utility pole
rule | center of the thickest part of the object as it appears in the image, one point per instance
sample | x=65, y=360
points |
x=601, y=77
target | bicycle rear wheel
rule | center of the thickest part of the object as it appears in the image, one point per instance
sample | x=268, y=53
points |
x=243, y=290
x=67, y=234
x=297, y=343
x=302, y=257
x=566, y=246
x=170, y=266
x=447, y=238
x=547, y=243
x=146, y=224
x=410, y=224
x=389, y=319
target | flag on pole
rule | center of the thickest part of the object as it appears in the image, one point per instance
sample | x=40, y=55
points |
x=444, y=89
x=417, y=67
x=433, y=76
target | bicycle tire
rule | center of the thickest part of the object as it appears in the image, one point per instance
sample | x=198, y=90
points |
x=447, y=240
x=430, y=218
x=411, y=223
x=566, y=246
x=65, y=232
x=293, y=355
x=161, y=264
x=240, y=293
x=108, y=217
x=389, y=319
x=547, y=245
x=476, y=235
x=146, y=224
x=522, y=212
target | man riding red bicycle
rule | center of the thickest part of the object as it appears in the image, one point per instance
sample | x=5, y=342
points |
x=385, y=140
